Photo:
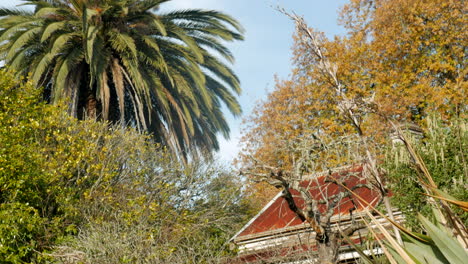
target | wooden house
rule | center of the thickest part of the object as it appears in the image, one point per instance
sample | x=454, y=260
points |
x=277, y=235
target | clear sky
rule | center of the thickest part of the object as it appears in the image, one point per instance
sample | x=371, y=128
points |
x=266, y=50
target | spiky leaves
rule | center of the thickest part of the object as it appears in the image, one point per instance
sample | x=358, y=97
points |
x=117, y=60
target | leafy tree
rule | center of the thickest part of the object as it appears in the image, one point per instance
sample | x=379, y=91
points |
x=27, y=199
x=68, y=185
x=118, y=60
x=412, y=55
x=344, y=94
x=399, y=61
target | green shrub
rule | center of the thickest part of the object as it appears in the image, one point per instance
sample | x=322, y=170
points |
x=98, y=193
x=20, y=226
x=443, y=150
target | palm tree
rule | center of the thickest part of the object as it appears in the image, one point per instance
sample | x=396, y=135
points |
x=123, y=61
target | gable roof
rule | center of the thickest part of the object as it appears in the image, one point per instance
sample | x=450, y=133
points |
x=276, y=217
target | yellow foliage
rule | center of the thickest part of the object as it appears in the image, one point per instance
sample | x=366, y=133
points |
x=408, y=56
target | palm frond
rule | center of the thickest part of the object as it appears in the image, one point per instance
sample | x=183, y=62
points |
x=14, y=12
x=223, y=72
x=66, y=67
x=20, y=42
x=51, y=29
x=122, y=42
x=202, y=15
x=11, y=30
x=158, y=67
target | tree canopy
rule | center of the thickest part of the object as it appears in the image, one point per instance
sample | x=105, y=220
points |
x=124, y=61
x=399, y=60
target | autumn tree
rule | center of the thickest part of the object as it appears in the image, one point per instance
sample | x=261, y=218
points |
x=399, y=61
x=408, y=56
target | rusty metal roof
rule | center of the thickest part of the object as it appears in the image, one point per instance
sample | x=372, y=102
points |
x=277, y=216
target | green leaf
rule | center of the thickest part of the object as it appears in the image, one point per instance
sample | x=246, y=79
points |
x=91, y=34
x=46, y=11
x=51, y=28
x=447, y=244
x=62, y=42
x=41, y=67
x=21, y=42
x=122, y=42
x=425, y=252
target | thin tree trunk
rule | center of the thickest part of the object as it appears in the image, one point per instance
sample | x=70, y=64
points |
x=327, y=249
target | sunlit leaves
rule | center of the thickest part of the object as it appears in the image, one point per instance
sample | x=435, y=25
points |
x=68, y=185
x=112, y=59
x=405, y=59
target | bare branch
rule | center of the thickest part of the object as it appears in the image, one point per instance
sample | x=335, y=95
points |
x=355, y=226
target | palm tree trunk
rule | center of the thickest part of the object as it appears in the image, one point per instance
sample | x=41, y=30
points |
x=91, y=107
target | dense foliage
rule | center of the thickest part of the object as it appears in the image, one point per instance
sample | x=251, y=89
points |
x=119, y=60
x=400, y=61
x=68, y=186
x=443, y=150
x=407, y=55
x=183, y=220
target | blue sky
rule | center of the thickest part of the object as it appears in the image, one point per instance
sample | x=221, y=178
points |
x=266, y=50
